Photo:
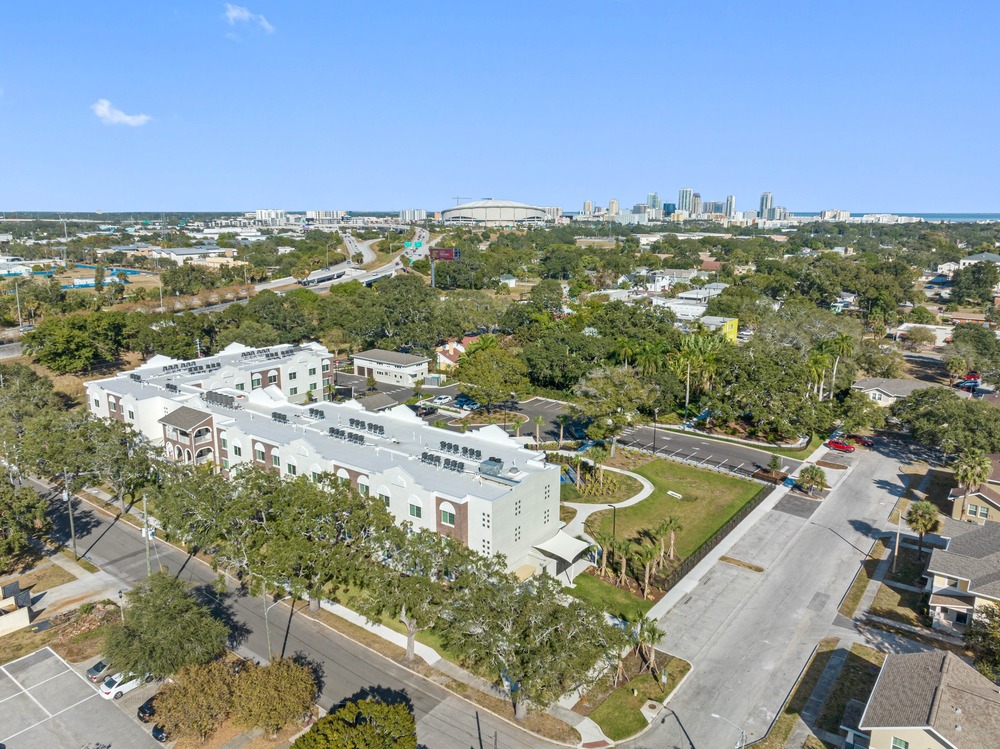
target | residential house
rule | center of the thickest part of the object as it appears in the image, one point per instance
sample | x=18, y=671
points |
x=931, y=700
x=390, y=367
x=728, y=327
x=965, y=574
x=886, y=391
x=451, y=351
x=981, y=257
x=983, y=502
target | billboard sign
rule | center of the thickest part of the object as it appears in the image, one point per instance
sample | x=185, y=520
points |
x=445, y=253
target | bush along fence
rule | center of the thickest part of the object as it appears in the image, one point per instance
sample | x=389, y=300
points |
x=688, y=563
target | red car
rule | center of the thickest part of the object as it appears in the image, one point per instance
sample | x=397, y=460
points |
x=861, y=440
x=844, y=447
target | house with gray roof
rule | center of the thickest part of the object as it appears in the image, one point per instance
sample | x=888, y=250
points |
x=885, y=390
x=932, y=700
x=391, y=367
x=964, y=574
x=982, y=503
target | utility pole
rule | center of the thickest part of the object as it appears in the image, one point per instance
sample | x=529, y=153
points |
x=145, y=534
x=69, y=506
x=687, y=391
x=432, y=268
x=17, y=296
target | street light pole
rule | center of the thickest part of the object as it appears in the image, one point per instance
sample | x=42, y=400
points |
x=121, y=605
x=741, y=744
x=614, y=522
x=656, y=413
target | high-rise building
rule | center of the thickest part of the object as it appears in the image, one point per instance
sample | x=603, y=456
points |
x=696, y=204
x=730, y=206
x=613, y=206
x=653, y=201
x=684, y=199
x=713, y=206
x=409, y=215
x=766, y=201
x=669, y=208
x=588, y=207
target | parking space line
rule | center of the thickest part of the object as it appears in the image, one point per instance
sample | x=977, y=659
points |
x=51, y=715
x=51, y=678
x=30, y=696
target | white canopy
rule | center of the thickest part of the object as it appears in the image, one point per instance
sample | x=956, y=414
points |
x=563, y=546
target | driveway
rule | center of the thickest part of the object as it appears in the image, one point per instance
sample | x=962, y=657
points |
x=749, y=634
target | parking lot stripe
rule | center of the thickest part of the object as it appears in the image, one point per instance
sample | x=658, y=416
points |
x=30, y=696
x=51, y=715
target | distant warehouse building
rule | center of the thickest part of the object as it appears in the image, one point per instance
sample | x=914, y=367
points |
x=495, y=213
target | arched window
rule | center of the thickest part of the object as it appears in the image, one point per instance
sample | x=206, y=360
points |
x=384, y=495
x=447, y=514
x=416, y=508
x=343, y=476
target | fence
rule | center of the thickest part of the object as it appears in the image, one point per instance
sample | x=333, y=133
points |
x=712, y=541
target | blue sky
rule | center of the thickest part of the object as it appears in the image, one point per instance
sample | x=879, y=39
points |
x=385, y=105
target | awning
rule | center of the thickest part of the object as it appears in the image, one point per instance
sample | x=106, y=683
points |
x=954, y=602
x=563, y=546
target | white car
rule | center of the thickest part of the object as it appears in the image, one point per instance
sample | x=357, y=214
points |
x=115, y=686
x=441, y=400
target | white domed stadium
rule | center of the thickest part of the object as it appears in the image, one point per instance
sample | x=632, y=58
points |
x=494, y=213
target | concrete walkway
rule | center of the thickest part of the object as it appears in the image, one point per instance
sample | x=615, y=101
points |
x=577, y=526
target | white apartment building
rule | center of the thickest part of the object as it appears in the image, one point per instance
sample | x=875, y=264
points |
x=248, y=406
x=390, y=367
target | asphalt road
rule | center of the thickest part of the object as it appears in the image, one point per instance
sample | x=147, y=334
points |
x=749, y=634
x=347, y=669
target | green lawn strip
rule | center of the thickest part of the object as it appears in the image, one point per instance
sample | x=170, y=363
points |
x=607, y=597
x=857, y=590
x=68, y=553
x=709, y=500
x=618, y=487
x=898, y=605
x=43, y=577
x=855, y=682
x=783, y=725
x=620, y=716
x=909, y=567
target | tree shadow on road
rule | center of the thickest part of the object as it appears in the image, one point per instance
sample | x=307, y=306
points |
x=866, y=529
x=223, y=610
x=318, y=672
x=894, y=489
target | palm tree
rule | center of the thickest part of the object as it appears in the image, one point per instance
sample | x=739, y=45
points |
x=651, y=357
x=647, y=634
x=598, y=456
x=957, y=366
x=418, y=388
x=577, y=465
x=817, y=364
x=922, y=518
x=669, y=528
x=812, y=477
x=604, y=541
x=538, y=421
x=620, y=547
x=562, y=420
x=625, y=349
x=841, y=345
x=644, y=557
x=972, y=469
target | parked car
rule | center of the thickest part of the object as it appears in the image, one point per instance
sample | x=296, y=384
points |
x=969, y=386
x=160, y=734
x=441, y=400
x=462, y=399
x=861, y=440
x=470, y=406
x=95, y=671
x=844, y=447
x=425, y=411
x=146, y=710
x=115, y=686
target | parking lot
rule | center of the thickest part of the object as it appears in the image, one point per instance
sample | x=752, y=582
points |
x=45, y=702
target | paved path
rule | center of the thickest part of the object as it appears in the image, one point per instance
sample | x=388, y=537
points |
x=577, y=526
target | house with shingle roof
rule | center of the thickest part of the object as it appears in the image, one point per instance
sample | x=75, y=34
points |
x=965, y=574
x=886, y=390
x=982, y=504
x=932, y=700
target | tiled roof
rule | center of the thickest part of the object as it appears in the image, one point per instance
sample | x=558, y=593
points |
x=935, y=690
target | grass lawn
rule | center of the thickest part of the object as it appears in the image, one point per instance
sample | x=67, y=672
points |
x=861, y=580
x=777, y=737
x=608, y=598
x=566, y=514
x=43, y=577
x=709, y=500
x=618, y=487
x=619, y=715
x=898, y=605
x=856, y=681
x=909, y=567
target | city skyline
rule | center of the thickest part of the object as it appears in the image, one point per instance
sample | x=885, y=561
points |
x=221, y=106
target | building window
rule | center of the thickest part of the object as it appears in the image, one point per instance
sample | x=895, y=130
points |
x=973, y=510
x=312, y=386
x=326, y=366
x=237, y=450
x=486, y=546
x=97, y=402
x=385, y=499
x=113, y=406
x=900, y=743
x=131, y=415
x=239, y=386
x=293, y=375
x=272, y=379
x=275, y=461
x=415, y=511
x=259, y=455
x=223, y=443
x=255, y=381
x=363, y=490
x=517, y=507
x=312, y=371
x=315, y=476
x=545, y=517
x=486, y=521
x=984, y=511
x=517, y=533
x=293, y=391
x=225, y=463
x=292, y=470
x=875, y=396
x=951, y=582
x=447, y=518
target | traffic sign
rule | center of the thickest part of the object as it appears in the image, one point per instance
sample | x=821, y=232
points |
x=407, y=244
x=418, y=245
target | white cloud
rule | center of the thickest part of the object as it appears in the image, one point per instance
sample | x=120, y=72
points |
x=111, y=116
x=237, y=14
